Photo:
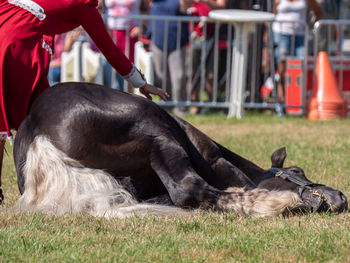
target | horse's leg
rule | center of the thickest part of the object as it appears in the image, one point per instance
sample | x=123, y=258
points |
x=187, y=189
x=204, y=152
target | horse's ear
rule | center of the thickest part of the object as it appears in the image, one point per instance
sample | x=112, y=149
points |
x=278, y=157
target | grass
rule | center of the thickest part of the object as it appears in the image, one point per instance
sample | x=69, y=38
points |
x=320, y=148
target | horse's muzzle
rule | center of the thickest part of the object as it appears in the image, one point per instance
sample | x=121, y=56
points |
x=343, y=203
x=324, y=199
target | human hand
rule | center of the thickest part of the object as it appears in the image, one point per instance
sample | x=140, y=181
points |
x=148, y=89
x=71, y=37
x=75, y=34
x=101, y=7
x=134, y=32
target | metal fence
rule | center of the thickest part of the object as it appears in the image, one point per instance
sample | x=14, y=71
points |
x=208, y=79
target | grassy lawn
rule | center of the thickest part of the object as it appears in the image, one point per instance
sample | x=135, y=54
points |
x=322, y=149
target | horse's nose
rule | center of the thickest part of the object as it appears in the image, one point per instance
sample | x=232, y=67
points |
x=340, y=204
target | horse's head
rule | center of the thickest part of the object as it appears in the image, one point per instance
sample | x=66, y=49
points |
x=316, y=197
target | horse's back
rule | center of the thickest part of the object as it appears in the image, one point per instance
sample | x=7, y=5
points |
x=69, y=105
x=96, y=125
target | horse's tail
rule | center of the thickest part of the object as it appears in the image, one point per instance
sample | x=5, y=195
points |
x=56, y=183
x=259, y=202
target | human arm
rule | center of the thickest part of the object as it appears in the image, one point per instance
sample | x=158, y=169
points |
x=135, y=31
x=93, y=24
x=70, y=39
x=146, y=89
x=274, y=8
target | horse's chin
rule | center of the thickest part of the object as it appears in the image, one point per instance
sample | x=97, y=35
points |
x=325, y=199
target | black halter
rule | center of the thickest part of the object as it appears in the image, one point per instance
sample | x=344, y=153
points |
x=311, y=197
x=291, y=177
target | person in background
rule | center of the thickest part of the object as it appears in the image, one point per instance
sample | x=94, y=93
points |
x=327, y=35
x=289, y=34
x=203, y=43
x=26, y=47
x=55, y=64
x=174, y=51
x=124, y=31
x=78, y=34
x=344, y=9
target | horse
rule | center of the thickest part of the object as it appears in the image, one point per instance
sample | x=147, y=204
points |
x=91, y=149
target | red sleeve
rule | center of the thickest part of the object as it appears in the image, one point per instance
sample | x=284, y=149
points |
x=92, y=22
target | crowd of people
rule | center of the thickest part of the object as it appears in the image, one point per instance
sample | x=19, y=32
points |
x=126, y=32
x=170, y=52
x=289, y=33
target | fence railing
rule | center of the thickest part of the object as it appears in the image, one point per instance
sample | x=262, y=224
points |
x=207, y=62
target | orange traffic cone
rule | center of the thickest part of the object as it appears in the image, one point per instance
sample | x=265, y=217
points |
x=326, y=102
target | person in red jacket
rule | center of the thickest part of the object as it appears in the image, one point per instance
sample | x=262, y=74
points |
x=27, y=30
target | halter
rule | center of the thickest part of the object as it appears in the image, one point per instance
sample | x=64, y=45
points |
x=320, y=204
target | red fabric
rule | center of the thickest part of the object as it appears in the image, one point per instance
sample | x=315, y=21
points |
x=24, y=63
x=202, y=9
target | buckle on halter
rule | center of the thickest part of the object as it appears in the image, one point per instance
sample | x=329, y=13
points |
x=278, y=174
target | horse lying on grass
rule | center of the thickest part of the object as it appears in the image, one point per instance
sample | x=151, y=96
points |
x=86, y=148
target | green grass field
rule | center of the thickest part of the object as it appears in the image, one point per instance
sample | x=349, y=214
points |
x=322, y=149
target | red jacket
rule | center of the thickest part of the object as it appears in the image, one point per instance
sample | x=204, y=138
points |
x=26, y=47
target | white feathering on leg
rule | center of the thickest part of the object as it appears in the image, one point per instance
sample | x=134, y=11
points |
x=56, y=183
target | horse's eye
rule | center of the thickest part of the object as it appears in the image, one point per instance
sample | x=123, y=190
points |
x=296, y=170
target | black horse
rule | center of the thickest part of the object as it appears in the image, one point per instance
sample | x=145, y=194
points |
x=87, y=148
